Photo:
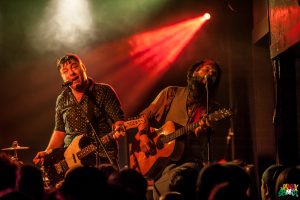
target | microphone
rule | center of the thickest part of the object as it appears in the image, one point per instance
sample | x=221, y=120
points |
x=209, y=79
x=67, y=84
x=206, y=77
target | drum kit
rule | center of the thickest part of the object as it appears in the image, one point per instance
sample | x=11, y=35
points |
x=15, y=147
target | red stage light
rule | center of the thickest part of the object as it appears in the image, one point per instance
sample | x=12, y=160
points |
x=140, y=61
x=206, y=16
x=158, y=49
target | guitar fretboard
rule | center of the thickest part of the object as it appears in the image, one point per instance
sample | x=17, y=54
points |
x=90, y=148
x=213, y=117
x=180, y=132
x=86, y=151
x=106, y=138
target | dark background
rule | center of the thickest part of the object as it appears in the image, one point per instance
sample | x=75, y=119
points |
x=260, y=72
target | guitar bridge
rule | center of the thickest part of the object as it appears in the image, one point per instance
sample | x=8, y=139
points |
x=61, y=167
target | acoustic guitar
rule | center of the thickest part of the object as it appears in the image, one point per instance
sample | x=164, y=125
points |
x=165, y=146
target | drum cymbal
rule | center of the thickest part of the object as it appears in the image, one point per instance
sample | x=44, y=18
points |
x=14, y=148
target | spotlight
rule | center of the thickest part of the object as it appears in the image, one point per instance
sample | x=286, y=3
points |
x=206, y=16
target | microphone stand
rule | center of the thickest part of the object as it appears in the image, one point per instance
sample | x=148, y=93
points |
x=99, y=143
x=94, y=133
x=209, y=131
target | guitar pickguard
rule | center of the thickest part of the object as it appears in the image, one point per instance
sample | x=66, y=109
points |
x=54, y=166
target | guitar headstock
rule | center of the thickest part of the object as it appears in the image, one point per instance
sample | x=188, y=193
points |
x=220, y=114
x=133, y=123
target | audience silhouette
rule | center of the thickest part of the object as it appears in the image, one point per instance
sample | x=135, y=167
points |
x=84, y=183
x=216, y=181
x=8, y=174
x=268, y=181
x=30, y=182
x=131, y=182
x=183, y=181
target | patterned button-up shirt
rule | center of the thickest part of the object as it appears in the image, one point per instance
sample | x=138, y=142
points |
x=72, y=117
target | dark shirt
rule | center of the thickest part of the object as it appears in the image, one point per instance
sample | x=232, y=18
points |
x=71, y=117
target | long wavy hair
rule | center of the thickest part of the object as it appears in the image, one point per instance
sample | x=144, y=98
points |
x=193, y=82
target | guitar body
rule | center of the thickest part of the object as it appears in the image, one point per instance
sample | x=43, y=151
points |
x=81, y=152
x=72, y=157
x=61, y=161
x=152, y=163
x=167, y=145
x=53, y=167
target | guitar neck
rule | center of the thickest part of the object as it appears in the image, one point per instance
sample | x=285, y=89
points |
x=212, y=118
x=180, y=132
x=133, y=123
x=108, y=137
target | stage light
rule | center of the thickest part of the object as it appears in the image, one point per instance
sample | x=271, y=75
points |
x=135, y=65
x=66, y=23
x=206, y=16
x=151, y=56
x=158, y=49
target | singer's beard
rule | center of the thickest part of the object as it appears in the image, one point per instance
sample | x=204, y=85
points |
x=197, y=90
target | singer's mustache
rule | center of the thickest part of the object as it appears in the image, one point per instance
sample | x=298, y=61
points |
x=206, y=78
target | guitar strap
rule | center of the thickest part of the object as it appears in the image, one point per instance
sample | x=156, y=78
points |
x=177, y=112
x=92, y=103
